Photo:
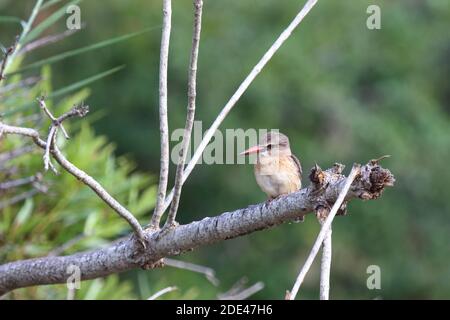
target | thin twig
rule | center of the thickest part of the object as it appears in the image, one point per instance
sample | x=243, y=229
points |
x=20, y=84
x=163, y=122
x=192, y=92
x=323, y=232
x=10, y=155
x=237, y=292
x=209, y=273
x=325, y=267
x=161, y=292
x=43, y=106
x=62, y=248
x=240, y=91
x=19, y=198
x=44, y=41
x=75, y=171
x=8, y=53
x=49, y=143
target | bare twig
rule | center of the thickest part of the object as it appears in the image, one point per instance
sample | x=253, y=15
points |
x=161, y=292
x=56, y=122
x=163, y=122
x=76, y=172
x=324, y=231
x=192, y=92
x=238, y=292
x=50, y=139
x=20, y=84
x=44, y=41
x=20, y=182
x=7, y=54
x=10, y=155
x=60, y=250
x=240, y=91
x=20, y=197
x=325, y=267
x=209, y=273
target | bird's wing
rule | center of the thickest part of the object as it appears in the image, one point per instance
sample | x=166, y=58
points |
x=297, y=164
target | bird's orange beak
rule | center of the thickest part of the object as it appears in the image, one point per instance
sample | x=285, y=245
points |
x=251, y=150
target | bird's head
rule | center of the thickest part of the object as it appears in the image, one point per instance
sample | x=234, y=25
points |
x=272, y=143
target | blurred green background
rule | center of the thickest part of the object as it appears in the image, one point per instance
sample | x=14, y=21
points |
x=341, y=92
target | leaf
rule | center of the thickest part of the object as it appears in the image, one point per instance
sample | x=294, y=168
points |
x=44, y=25
x=75, y=52
x=65, y=90
x=10, y=19
x=94, y=289
x=84, y=82
x=24, y=212
x=91, y=222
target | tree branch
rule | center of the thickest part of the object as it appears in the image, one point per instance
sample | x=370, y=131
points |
x=239, y=292
x=75, y=171
x=240, y=91
x=20, y=182
x=162, y=292
x=127, y=254
x=209, y=273
x=192, y=92
x=7, y=54
x=163, y=122
x=325, y=267
x=322, y=178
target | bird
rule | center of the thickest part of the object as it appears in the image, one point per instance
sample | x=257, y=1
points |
x=277, y=170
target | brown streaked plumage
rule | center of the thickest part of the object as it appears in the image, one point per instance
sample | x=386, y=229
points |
x=277, y=170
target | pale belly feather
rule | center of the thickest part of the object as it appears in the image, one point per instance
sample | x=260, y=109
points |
x=277, y=179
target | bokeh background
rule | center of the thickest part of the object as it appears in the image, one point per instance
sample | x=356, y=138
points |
x=341, y=92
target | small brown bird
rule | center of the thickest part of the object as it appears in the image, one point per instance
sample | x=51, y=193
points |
x=277, y=170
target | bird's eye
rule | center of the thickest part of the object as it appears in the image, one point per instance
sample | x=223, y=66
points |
x=269, y=146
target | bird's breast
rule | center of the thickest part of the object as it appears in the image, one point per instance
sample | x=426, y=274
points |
x=277, y=175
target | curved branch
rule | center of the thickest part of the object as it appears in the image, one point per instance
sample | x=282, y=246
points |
x=127, y=254
x=76, y=172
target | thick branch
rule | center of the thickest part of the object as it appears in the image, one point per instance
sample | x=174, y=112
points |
x=127, y=254
x=163, y=122
x=192, y=92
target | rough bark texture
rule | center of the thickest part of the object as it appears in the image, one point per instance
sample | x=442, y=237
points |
x=128, y=254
